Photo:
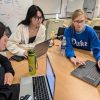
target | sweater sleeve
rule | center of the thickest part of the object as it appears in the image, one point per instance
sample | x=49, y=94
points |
x=41, y=36
x=14, y=41
x=69, y=47
x=6, y=64
x=95, y=45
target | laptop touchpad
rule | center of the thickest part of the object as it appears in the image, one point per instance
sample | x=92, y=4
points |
x=26, y=86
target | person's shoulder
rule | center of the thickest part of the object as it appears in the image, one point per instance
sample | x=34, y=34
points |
x=89, y=28
x=42, y=27
x=68, y=29
x=21, y=26
x=2, y=57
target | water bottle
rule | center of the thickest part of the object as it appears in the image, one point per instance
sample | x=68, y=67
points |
x=32, y=62
x=63, y=46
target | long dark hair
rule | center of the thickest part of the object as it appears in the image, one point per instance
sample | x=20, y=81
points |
x=32, y=12
x=2, y=29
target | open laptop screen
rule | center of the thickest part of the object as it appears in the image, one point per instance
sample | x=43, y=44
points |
x=41, y=48
x=50, y=77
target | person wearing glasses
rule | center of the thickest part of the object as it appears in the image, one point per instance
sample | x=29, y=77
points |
x=81, y=36
x=30, y=32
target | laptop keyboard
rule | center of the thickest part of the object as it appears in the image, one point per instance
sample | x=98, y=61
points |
x=89, y=73
x=39, y=88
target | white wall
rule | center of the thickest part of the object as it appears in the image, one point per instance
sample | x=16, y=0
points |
x=67, y=7
x=97, y=9
x=13, y=11
x=63, y=9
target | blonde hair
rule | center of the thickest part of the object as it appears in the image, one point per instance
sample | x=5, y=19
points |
x=77, y=13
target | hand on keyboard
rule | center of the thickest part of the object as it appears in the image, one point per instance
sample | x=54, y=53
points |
x=76, y=61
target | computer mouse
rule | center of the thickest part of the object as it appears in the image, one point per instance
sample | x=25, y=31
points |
x=22, y=98
x=26, y=97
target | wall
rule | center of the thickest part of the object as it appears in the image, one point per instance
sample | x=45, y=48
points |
x=13, y=11
x=97, y=9
x=67, y=6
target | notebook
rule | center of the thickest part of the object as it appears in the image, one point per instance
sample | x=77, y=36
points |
x=89, y=73
x=39, y=87
x=42, y=48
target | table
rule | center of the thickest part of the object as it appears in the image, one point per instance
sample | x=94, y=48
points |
x=67, y=87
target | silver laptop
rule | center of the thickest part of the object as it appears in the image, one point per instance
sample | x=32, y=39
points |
x=41, y=48
x=39, y=87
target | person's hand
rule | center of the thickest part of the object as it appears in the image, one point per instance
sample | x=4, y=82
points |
x=99, y=63
x=76, y=61
x=25, y=54
x=8, y=79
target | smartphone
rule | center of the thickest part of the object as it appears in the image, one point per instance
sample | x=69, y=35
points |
x=17, y=58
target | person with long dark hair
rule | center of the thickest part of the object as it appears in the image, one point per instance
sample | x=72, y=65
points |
x=81, y=36
x=30, y=32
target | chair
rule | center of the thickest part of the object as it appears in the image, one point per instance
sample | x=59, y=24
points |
x=53, y=25
x=97, y=29
x=95, y=22
x=60, y=33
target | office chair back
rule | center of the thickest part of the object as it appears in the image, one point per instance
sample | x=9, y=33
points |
x=97, y=29
x=60, y=33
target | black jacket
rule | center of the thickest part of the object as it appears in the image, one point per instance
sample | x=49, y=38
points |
x=6, y=92
x=4, y=61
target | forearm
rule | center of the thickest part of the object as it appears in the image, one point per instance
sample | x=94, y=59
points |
x=69, y=52
x=6, y=64
x=96, y=55
x=15, y=48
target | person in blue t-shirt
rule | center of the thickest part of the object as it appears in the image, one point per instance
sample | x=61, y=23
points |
x=81, y=36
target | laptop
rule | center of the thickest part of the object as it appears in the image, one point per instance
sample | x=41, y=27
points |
x=42, y=48
x=89, y=73
x=39, y=87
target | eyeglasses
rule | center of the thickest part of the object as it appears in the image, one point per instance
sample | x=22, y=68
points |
x=79, y=21
x=38, y=18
